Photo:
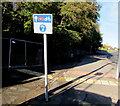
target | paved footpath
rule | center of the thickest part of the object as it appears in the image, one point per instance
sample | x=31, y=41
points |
x=91, y=81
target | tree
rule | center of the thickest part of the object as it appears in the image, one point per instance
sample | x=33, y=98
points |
x=82, y=18
x=74, y=24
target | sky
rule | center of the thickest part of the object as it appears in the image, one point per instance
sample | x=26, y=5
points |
x=109, y=23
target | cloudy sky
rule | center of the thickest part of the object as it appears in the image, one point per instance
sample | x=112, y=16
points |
x=109, y=23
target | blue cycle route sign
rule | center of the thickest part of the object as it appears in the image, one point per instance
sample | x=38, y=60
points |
x=43, y=23
x=43, y=18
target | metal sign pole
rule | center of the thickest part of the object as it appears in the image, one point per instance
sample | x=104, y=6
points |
x=45, y=67
x=43, y=25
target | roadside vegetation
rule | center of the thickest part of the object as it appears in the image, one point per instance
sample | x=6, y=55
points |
x=75, y=25
x=107, y=48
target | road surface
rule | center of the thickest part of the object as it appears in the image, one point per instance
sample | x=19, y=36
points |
x=91, y=81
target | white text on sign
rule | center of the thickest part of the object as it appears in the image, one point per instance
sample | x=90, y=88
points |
x=43, y=23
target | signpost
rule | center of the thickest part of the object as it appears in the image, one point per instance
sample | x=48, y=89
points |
x=43, y=25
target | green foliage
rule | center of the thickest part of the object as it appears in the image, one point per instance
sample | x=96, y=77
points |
x=82, y=18
x=74, y=24
x=107, y=48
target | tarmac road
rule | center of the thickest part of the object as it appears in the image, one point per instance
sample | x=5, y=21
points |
x=114, y=57
x=111, y=56
x=91, y=81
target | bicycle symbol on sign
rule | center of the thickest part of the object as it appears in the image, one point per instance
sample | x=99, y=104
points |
x=42, y=28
